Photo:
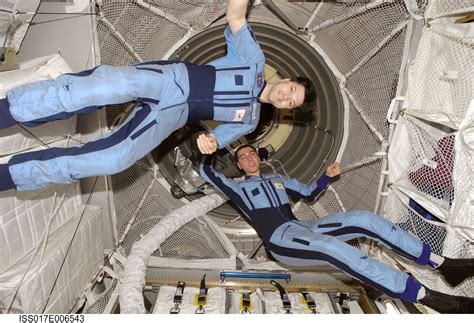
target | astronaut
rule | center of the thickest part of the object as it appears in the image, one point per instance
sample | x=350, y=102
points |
x=171, y=95
x=264, y=201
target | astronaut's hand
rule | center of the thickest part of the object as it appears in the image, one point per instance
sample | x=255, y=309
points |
x=207, y=143
x=333, y=170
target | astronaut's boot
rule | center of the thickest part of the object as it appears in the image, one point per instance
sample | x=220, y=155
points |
x=444, y=303
x=6, y=119
x=455, y=271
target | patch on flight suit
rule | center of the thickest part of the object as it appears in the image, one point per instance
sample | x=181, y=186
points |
x=279, y=186
x=239, y=79
x=239, y=115
x=260, y=79
x=255, y=191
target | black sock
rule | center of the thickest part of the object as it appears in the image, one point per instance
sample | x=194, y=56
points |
x=6, y=119
x=6, y=182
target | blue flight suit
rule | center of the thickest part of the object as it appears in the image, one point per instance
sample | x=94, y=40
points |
x=171, y=94
x=264, y=201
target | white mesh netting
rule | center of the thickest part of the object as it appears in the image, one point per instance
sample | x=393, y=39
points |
x=141, y=202
x=431, y=155
x=440, y=8
x=366, y=46
x=441, y=75
x=131, y=31
x=431, y=166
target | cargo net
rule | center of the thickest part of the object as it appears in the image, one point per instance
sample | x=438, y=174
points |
x=442, y=75
x=364, y=43
x=432, y=173
x=193, y=242
x=141, y=201
x=442, y=8
x=131, y=31
x=103, y=300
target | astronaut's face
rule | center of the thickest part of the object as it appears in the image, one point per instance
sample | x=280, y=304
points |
x=287, y=94
x=248, y=161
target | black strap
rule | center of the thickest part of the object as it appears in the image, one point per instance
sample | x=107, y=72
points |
x=310, y=302
x=284, y=297
x=202, y=297
x=178, y=297
x=246, y=303
x=343, y=301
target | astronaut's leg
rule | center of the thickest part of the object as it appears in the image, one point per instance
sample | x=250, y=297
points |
x=354, y=224
x=296, y=245
x=137, y=136
x=38, y=102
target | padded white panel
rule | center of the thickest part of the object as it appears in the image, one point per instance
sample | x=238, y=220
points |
x=82, y=263
x=24, y=216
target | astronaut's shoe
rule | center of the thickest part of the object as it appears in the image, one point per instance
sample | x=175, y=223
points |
x=447, y=304
x=6, y=119
x=455, y=271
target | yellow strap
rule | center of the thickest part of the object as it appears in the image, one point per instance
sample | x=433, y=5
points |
x=250, y=308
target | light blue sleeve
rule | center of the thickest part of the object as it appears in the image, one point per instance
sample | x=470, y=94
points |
x=227, y=133
x=242, y=48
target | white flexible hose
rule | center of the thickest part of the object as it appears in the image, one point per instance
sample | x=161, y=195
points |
x=133, y=277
